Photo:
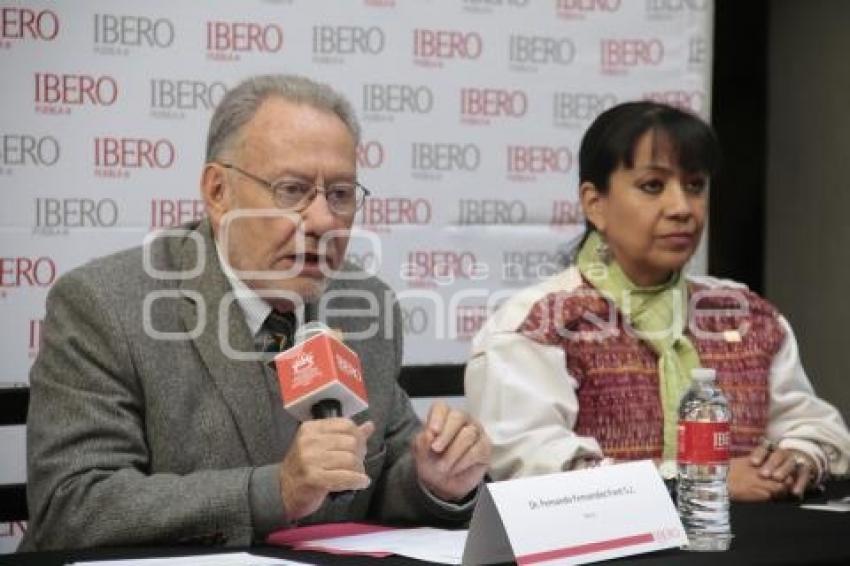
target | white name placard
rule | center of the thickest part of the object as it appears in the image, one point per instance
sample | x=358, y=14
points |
x=574, y=517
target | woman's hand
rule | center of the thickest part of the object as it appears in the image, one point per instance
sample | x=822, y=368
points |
x=769, y=473
x=794, y=468
x=746, y=483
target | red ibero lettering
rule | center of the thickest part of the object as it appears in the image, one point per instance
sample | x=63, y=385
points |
x=395, y=211
x=51, y=88
x=370, y=154
x=446, y=44
x=24, y=23
x=703, y=443
x=166, y=213
x=619, y=53
x=244, y=36
x=442, y=264
x=469, y=320
x=20, y=271
x=690, y=100
x=539, y=159
x=133, y=153
x=492, y=102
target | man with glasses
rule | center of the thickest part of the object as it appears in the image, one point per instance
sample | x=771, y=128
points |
x=153, y=416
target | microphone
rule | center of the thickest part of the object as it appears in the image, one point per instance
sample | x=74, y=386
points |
x=320, y=377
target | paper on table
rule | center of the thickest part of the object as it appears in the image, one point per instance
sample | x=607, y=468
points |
x=840, y=505
x=423, y=543
x=228, y=559
x=295, y=536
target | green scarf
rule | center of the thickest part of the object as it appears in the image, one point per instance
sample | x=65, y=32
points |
x=659, y=315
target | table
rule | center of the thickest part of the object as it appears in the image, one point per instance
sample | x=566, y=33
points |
x=776, y=533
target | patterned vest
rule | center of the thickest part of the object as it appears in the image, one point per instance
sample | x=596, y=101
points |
x=736, y=332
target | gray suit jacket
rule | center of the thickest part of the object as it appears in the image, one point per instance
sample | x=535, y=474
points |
x=135, y=439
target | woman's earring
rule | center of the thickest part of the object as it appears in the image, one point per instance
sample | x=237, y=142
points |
x=603, y=252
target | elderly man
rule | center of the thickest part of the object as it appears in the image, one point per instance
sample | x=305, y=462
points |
x=152, y=418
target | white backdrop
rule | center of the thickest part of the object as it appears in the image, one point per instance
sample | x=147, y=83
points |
x=472, y=112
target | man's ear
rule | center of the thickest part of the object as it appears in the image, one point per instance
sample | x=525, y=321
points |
x=215, y=192
x=593, y=203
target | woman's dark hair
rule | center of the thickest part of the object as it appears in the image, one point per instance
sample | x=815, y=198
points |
x=612, y=139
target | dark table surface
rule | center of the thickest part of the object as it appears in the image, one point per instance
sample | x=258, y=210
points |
x=764, y=533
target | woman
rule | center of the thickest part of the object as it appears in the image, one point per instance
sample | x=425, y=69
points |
x=591, y=364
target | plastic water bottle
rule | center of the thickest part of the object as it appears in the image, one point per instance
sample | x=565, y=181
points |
x=703, y=464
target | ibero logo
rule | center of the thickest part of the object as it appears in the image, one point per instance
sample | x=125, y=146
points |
x=479, y=105
x=115, y=34
x=525, y=162
x=432, y=47
x=430, y=160
x=25, y=271
x=566, y=214
x=381, y=102
x=115, y=157
x=473, y=212
x=381, y=214
x=693, y=100
x=530, y=265
x=170, y=98
x=576, y=109
x=168, y=213
x=27, y=150
x=23, y=24
x=55, y=216
x=370, y=154
x=469, y=320
x=527, y=52
x=618, y=56
x=228, y=41
x=58, y=93
x=332, y=44
x=426, y=268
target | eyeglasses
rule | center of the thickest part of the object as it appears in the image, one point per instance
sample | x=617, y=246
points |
x=344, y=198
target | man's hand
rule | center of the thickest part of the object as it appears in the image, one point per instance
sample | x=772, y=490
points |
x=452, y=453
x=326, y=455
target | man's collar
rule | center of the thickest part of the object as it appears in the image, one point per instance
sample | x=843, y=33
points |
x=255, y=308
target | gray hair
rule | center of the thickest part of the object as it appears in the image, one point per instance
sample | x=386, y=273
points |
x=242, y=101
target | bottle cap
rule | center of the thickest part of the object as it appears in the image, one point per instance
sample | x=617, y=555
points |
x=703, y=374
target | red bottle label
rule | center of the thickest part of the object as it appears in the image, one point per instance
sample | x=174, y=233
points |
x=703, y=443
